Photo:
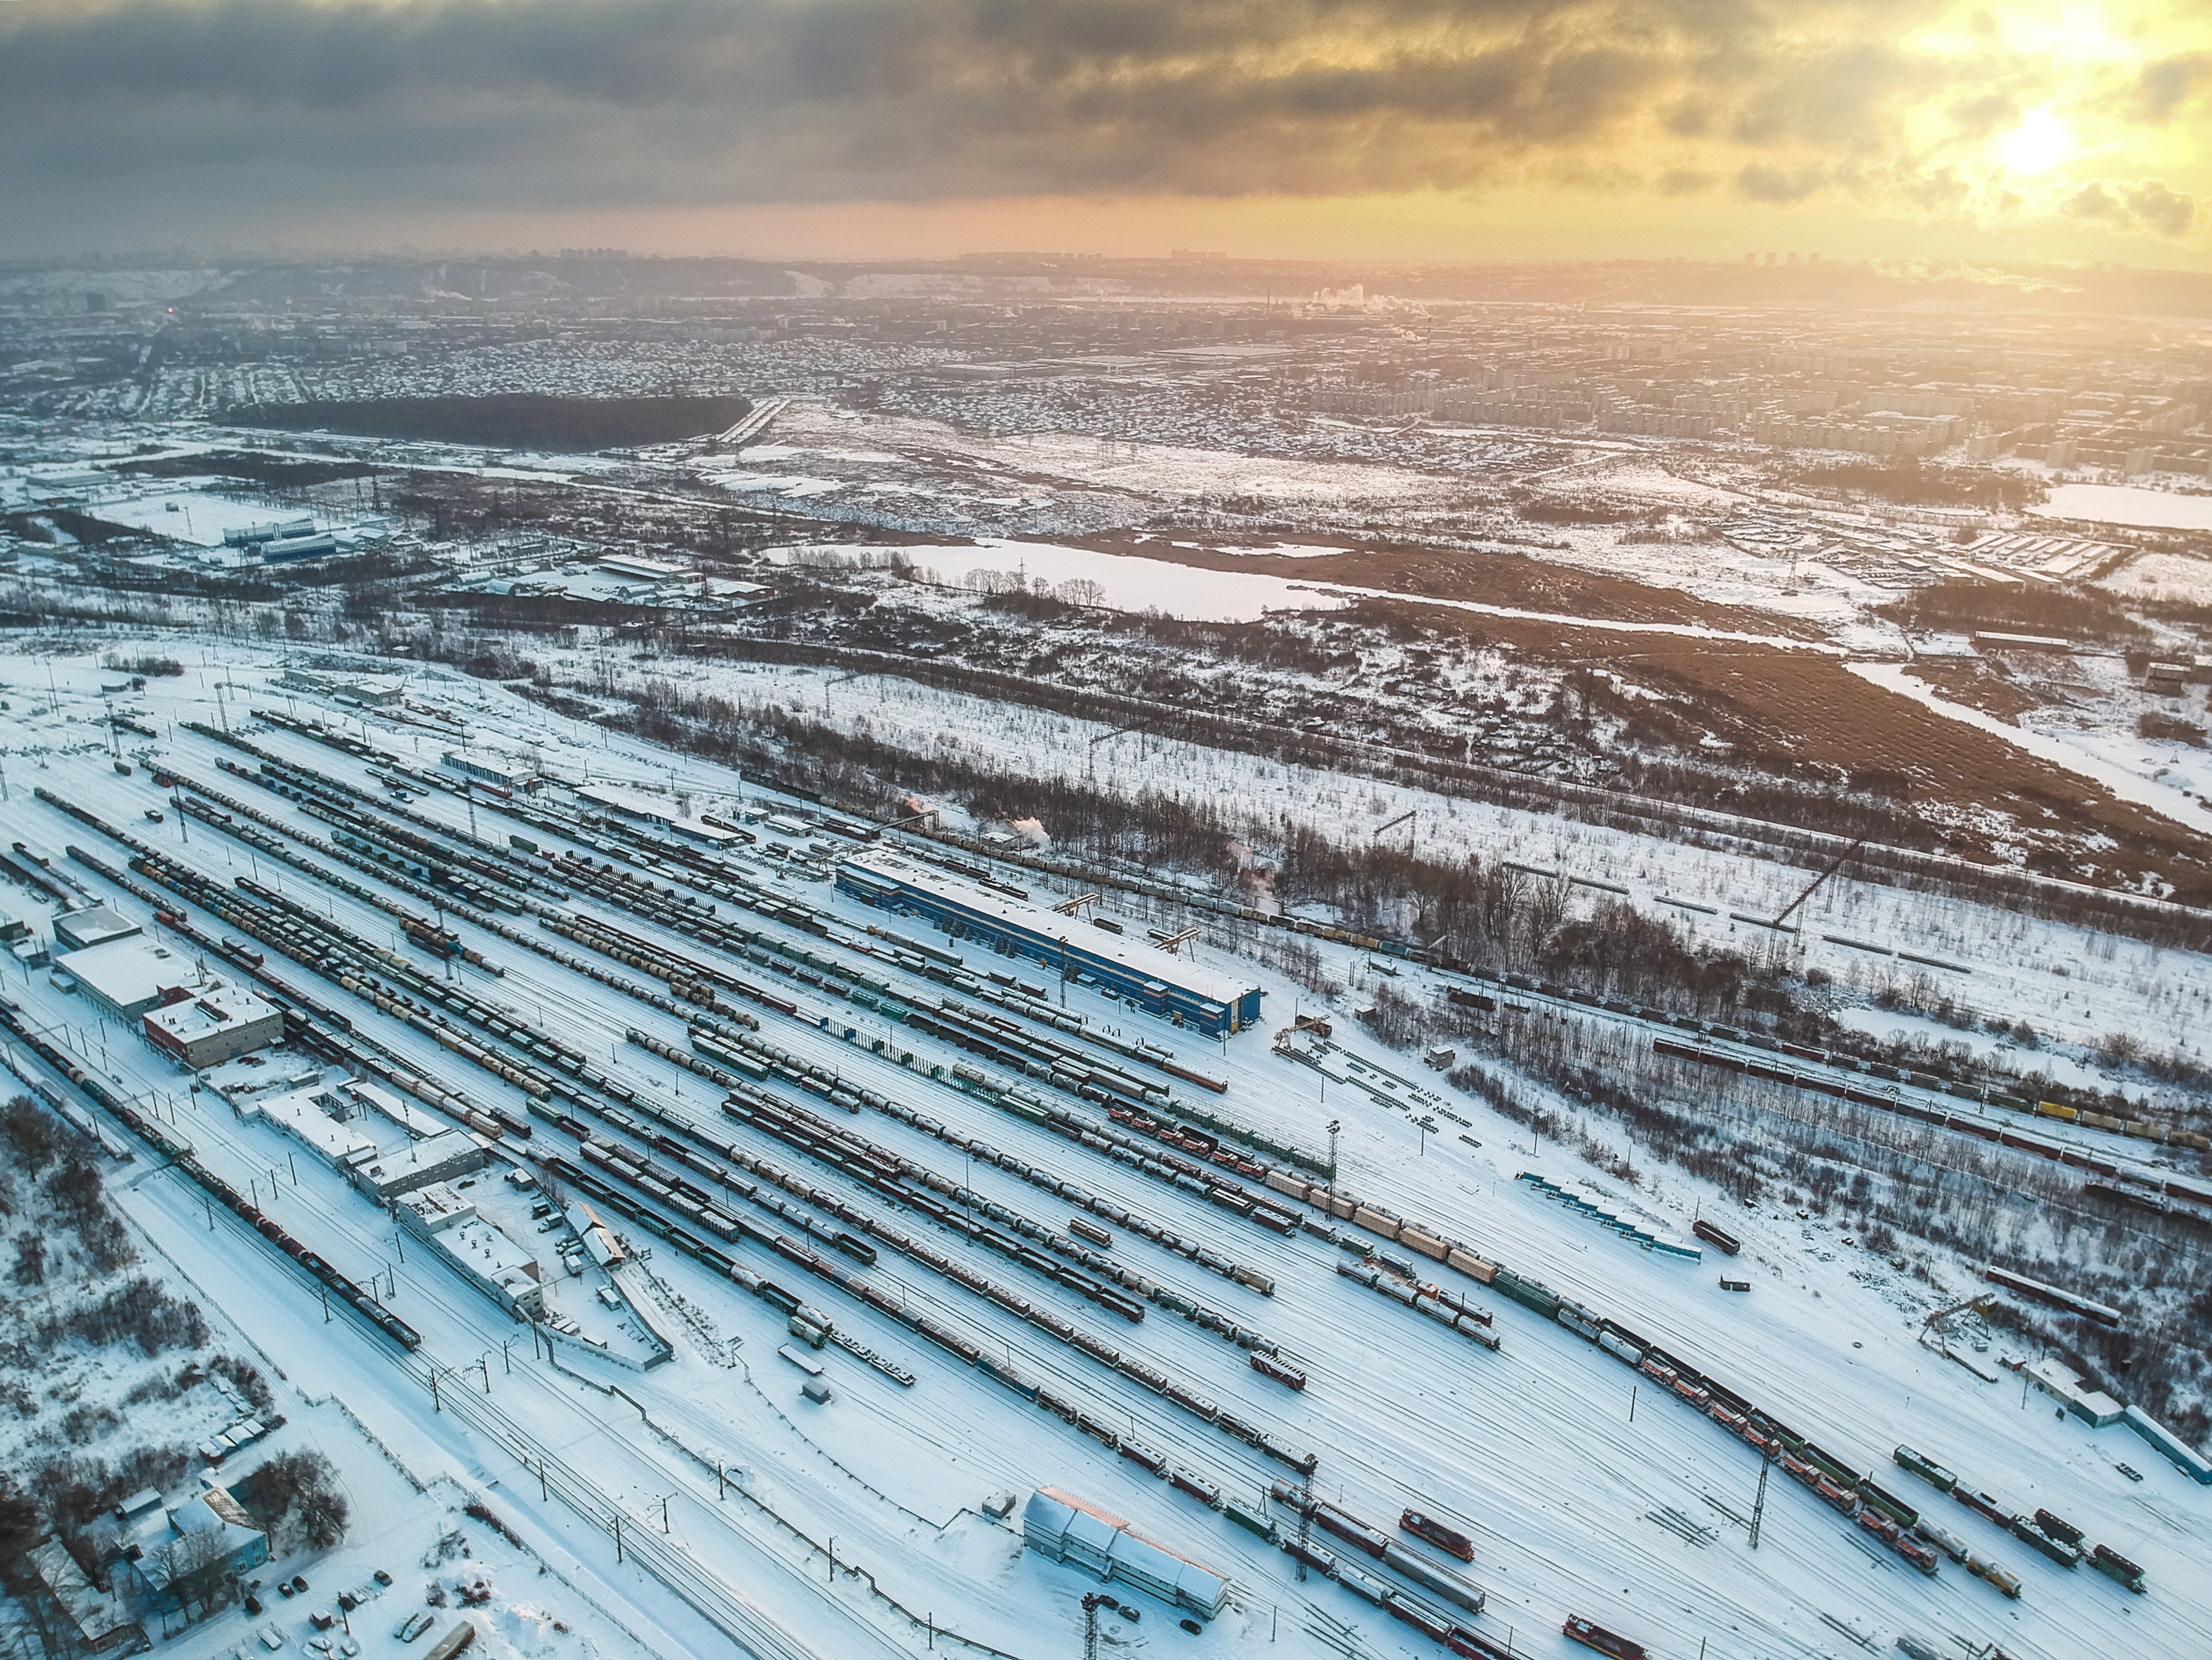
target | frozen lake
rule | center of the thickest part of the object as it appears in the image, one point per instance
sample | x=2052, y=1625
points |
x=1131, y=584
x=2128, y=504
x=1137, y=583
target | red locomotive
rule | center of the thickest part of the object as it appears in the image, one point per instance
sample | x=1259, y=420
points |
x=1443, y=1538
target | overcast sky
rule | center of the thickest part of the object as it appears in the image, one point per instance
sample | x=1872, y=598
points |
x=1422, y=129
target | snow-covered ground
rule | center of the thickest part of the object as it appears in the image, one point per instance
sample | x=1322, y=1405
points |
x=2128, y=504
x=1585, y=1493
x=197, y=515
x=2168, y=578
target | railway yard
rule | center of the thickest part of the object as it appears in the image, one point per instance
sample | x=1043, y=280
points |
x=838, y=1236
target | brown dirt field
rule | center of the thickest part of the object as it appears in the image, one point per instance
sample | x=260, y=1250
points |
x=1528, y=582
x=1780, y=707
x=1975, y=685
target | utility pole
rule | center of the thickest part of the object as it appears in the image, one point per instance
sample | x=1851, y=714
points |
x=1759, y=1504
x=1305, y=1531
x=1096, y=1601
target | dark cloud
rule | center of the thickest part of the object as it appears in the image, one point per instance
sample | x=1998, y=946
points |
x=256, y=109
x=1760, y=183
x=1977, y=118
x=2094, y=202
x=2163, y=86
x=2167, y=212
x=2149, y=206
x=1684, y=181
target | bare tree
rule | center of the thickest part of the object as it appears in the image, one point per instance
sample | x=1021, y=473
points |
x=40, y=1629
x=198, y=1565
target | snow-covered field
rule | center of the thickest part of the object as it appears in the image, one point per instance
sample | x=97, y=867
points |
x=188, y=514
x=2128, y=504
x=1585, y=1493
x=2170, y=578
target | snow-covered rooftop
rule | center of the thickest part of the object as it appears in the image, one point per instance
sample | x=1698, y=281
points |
x=1147, y=961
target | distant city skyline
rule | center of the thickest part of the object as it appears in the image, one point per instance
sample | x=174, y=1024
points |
x=1396, y=130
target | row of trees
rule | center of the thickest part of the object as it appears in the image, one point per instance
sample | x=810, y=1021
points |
x=1882, y=1175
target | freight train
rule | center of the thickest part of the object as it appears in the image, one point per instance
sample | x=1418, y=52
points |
x=697, y=1206
x=2044, y=1532
x=1466, y=1598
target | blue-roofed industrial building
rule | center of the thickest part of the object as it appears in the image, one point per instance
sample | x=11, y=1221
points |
x=1155, y=981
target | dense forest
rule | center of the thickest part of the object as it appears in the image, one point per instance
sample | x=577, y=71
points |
x=510, y=420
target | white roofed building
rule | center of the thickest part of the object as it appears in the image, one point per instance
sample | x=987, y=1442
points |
x=502, y=1269
x=214, y=1027
x=1153, y=980
x=1069, y=1529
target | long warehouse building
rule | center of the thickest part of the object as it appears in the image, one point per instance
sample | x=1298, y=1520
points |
x=1155, y=981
